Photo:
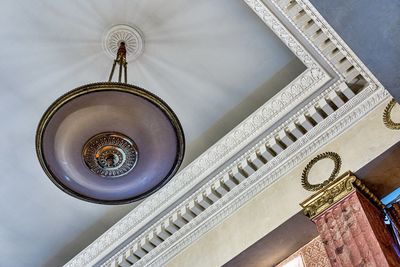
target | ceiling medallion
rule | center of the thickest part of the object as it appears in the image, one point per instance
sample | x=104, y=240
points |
x=110, y=142
x=131, y=36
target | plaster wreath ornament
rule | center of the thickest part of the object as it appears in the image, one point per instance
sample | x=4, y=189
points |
x=326, y=155
x=387, y=116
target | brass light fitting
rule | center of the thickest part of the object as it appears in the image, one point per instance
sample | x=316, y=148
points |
x=110, y=142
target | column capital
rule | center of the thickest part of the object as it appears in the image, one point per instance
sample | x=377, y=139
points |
x=334, y=192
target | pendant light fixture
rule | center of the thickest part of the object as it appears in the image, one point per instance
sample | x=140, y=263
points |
x=110, y=142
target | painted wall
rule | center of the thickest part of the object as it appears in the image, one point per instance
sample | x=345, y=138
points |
x=372, y=29
x=262, y=214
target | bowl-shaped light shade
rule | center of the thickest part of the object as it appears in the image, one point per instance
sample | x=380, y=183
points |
x=110, y=143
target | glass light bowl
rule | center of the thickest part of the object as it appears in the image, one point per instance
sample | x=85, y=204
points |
x=110, y=143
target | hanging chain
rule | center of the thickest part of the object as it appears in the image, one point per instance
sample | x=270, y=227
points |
x=123, y=64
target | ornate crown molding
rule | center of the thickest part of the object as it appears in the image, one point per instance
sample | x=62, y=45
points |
x=256, y=152
x=254, y=184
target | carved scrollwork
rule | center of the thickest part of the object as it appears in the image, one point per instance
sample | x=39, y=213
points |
x=329, y=197
x=327, y=155
x=336, y=191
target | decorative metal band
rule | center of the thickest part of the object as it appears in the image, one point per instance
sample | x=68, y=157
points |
x=387, y=117
x=104, y=87
x=327, y=155
x=110, y=154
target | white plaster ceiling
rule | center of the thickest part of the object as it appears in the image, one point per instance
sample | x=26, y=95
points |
x=213, y=61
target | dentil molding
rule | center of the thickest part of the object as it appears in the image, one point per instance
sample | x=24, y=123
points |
x=255, y=153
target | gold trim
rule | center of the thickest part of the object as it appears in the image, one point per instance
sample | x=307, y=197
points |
x=327, y=155
x=387, y=117
x=334, y=192
x=111, y=144
x=99, y=87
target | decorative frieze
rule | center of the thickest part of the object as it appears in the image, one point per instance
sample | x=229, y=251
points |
x=234, y=171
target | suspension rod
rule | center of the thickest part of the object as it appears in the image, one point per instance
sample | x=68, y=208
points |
x=123, y=64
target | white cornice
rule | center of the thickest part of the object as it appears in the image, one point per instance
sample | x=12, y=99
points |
x=236, y=151
x=258, y=182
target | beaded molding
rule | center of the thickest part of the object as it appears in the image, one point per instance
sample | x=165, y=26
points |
x=233, y=178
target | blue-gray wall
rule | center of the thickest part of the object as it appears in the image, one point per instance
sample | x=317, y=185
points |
x=372, y=30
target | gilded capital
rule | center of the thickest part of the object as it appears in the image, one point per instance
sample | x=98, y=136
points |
x=335, y=191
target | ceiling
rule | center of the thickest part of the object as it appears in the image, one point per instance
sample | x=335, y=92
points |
x=363, y=24
x=213, y=62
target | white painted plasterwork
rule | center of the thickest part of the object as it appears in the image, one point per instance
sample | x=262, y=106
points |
x=232, y=150
x=259, y=181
